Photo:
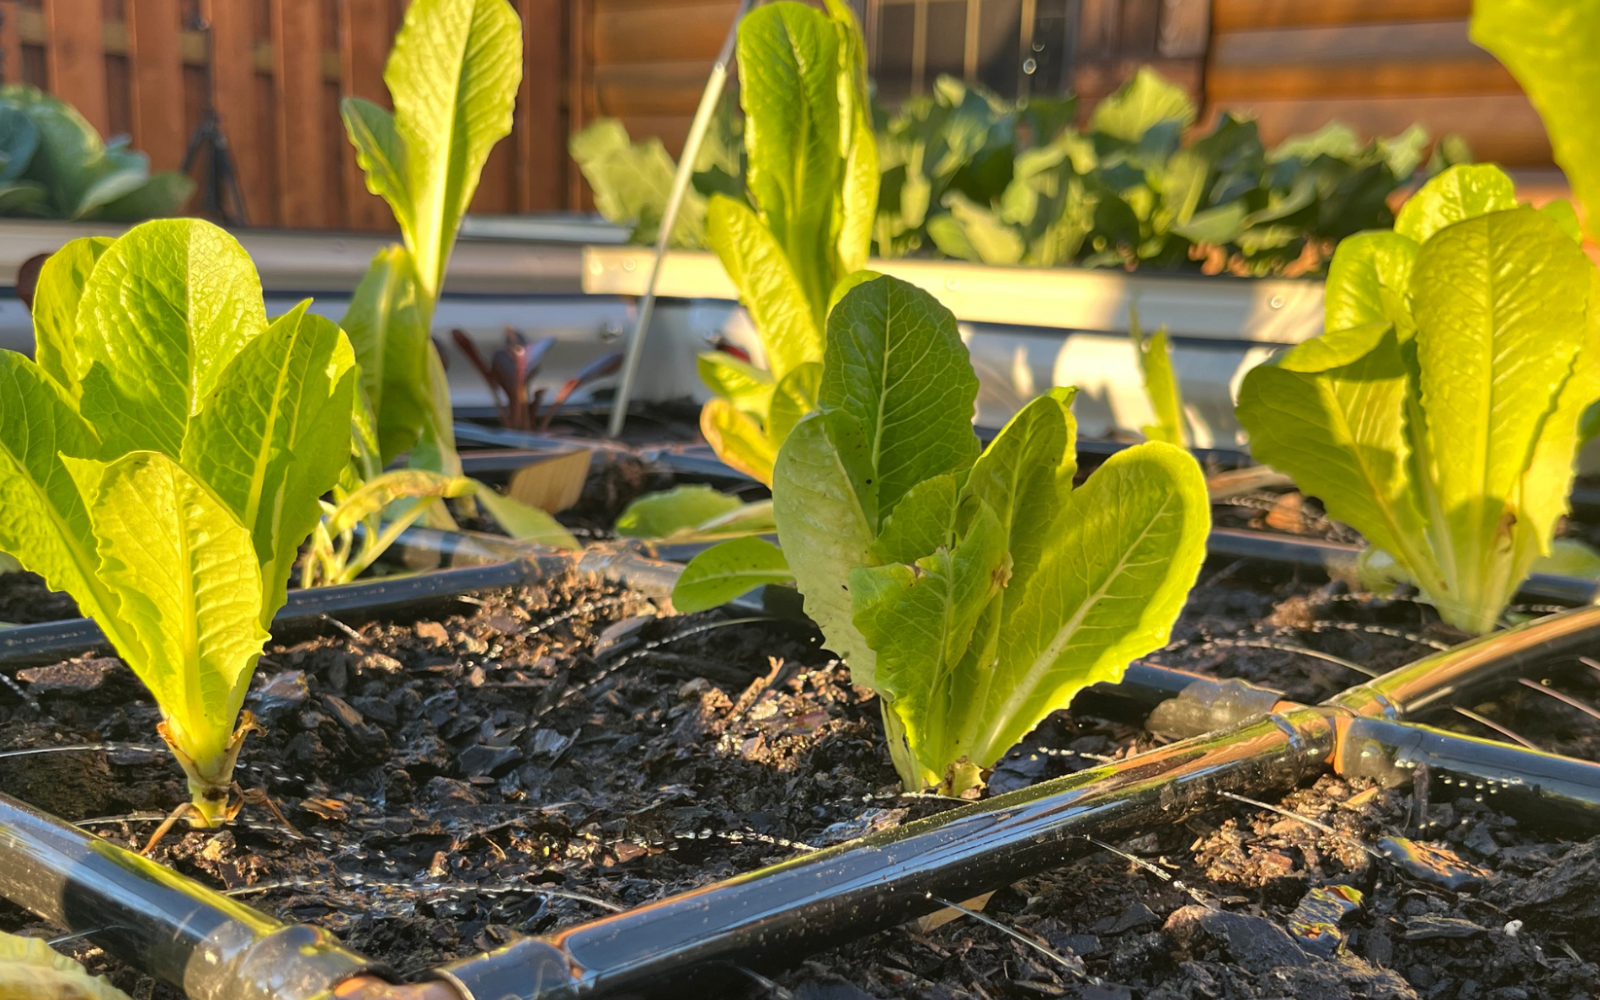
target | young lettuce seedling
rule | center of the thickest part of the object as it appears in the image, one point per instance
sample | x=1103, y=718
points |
x=976, y=593
x=453, y=75
x=805, y=225
x=1439, y=413
x=163, y=460
x=1160, y=384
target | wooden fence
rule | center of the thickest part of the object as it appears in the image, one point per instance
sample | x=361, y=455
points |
x=279, y=66
x=277, y=69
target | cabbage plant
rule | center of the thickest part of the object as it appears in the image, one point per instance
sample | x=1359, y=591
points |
x=162, y=462
x=1439, y=414
x=975, y=590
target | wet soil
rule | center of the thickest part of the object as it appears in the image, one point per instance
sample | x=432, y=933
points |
x=523, y=760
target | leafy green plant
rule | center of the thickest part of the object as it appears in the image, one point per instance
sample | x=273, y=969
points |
x=53, y=163
x=163, y=460
x=791, y=237
x=453, y=75
x=979, y=178
x=1550, y=49
x=974, y=592
x=1439, y=413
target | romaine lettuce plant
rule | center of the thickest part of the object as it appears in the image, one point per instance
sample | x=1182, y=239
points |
x=1439, y=413
x=163, y=460
x=812, y=191
x=1160, y=384
x=975, y=592
x=453, y=75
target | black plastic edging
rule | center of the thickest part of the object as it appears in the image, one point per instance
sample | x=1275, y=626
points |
x=50, y=642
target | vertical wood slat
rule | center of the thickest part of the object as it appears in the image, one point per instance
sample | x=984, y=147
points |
x=363, y=49
x=76, y=58
x=10, y=42
x=541, y=140
x=579, y=42
x=297, y=94
x=233, y=77
x=156, y=78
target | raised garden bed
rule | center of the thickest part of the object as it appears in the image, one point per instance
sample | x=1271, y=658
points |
x=514, y=760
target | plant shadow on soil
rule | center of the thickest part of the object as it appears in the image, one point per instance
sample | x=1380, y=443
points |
x=523, y=760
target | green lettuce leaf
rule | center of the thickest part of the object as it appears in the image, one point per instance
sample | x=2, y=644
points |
x=453, y=75
x=274, y=437
x=768, y=283
x=524, y=522
x=55, y=308
x=681, y=508
x=1462, y=192
x=188, y=590
x=1550, y=49
x=727, y=571
x=1160, y=385
x=896, y=364
x=387, y=328
x=167, y=308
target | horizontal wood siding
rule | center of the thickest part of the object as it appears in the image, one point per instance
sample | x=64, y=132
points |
x=1376, y=65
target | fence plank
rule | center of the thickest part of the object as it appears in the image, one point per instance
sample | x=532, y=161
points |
x=10, y=42
x=1243, y=15
x=156, y=79
x=233, y=81
x=76, y=60
x=297, y=95
x=580, y=48
x=541, y=137
x=363, y=48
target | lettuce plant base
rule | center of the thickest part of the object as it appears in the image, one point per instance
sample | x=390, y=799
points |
x=450, y=772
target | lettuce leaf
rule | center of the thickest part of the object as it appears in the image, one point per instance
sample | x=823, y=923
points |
x=975, y=593
x=1439, y=413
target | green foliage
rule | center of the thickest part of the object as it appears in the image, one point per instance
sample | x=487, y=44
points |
x=1550, y=49
x=975, y=177
x=1439, y=413
x=453, y=75
x=723, y=573
x=54, y=164
x=165, y=460
x=795, y=229
x=975, y=592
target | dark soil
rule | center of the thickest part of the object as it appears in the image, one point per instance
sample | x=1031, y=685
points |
x=25, y=600
x=526, y=760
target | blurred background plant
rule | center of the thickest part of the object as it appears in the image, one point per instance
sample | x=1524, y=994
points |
x=971, y=176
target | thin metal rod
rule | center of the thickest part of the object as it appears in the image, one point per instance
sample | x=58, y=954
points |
x=680, y=186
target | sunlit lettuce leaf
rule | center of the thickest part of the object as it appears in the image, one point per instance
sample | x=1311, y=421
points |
x=31, y=970
x=1140, y=105
x=739, y=382
x=399, y=484
x=389, y=332
x=522, y=521
x=729, y=570
x=1369, y=281
x=1500, y=302
x=827, y=512
x=793, y=398
x=789, y=88
x=1160, y=385
x=274, y=435
x=163, y=313
x=1123, y=553
x=1462, y=192
x=896, y=364
x=55, y=308
x=1550, y=49
x=453, y=74
x=46, y=523
x=768, y=285
x=188, y=588
x=737, y=439
x=380, y=153
x=658, y=515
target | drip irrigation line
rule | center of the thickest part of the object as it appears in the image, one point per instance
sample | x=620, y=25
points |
x=1561, y=696
x=1074, y=967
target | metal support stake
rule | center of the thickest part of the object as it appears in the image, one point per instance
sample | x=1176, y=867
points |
x=680, y=186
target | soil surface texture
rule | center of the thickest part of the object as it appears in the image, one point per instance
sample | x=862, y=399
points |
x=523, y=760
